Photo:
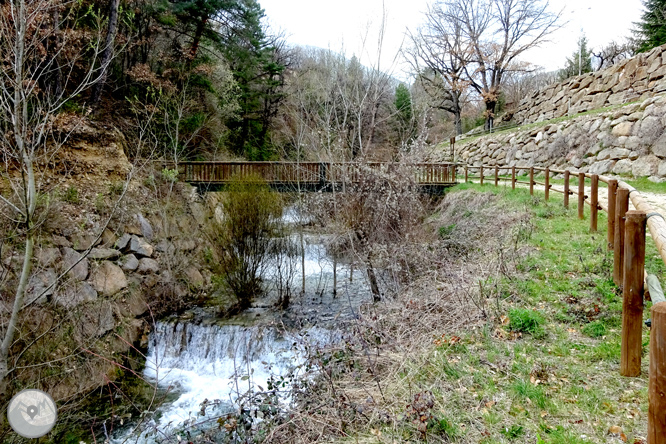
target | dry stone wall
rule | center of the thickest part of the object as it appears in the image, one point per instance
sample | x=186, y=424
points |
x=638, y=78
x=629, y=140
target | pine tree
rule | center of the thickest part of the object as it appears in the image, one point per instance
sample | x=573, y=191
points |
x=580, y=61
x=651, y=30
x=403, y=103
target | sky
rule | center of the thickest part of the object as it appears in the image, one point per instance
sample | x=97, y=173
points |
x=352, y=26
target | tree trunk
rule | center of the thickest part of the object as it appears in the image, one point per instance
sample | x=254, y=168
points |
x=107, y=55
x=57, y=81
x=201, y=26
x=490, y=115
x=374, y=286
x=458, y=121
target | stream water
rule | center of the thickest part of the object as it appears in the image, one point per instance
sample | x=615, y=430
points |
x=198, y=357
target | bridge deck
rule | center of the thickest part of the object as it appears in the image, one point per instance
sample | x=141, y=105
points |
x=319, y=175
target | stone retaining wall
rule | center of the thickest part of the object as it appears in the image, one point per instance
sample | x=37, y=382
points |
x=638, y=78
x=627, y=140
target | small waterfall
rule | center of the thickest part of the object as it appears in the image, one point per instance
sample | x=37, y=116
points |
x=219, y=362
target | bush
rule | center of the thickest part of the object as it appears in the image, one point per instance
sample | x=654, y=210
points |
x=252, y=218
x=527, y=321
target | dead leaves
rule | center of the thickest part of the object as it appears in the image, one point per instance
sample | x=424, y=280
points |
x=617, y=432
x=444, y=341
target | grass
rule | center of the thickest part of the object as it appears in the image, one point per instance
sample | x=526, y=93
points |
x=544, y=368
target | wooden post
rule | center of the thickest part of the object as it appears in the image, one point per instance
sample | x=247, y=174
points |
x=612, y=191
x=513, y=177
x=531, y=180
x=496, y=174
x=657, y=384
x=621, y=208
x=581, y=195
x=594, y=203
x=547, y=190
x=481, y=174
x=465, y=173
x=566, y=189
x=632, y=293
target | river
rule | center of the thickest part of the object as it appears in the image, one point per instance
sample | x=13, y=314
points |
x=197, y=357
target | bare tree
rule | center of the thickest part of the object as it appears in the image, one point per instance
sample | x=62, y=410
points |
x=439, y=54
x=613, y=53
x=496, y=33
x=34, y=54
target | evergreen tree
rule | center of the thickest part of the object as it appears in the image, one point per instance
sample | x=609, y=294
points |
x=651, y=30
x=258, y=64
x=403, y=103
x=580, y=61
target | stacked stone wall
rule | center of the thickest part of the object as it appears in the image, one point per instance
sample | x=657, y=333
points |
x=629, y=140
x=637, y=78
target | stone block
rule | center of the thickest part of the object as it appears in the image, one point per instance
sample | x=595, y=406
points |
x=623, y=129
x=622, y=167
x=601, y=167
x=48, y=256
x=82, y=241
x=140, y=247
x=194, y=277
x=96, y=320
x=148, y=266
x=71, y=257
x=76, y=294
x=613, y=154
x=108, y=279
x=40, y=287
x=661, y=170
x=124, y=241
x=617, y=98
x=645, y=166
x=104, y=253
x=659, y=146
x=144, y=226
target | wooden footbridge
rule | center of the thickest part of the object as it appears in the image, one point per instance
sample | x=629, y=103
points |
x=314, y=176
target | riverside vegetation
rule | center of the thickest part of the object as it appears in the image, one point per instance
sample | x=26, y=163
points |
x=528, y=353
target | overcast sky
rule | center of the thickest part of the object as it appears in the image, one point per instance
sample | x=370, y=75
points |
x=346, y=24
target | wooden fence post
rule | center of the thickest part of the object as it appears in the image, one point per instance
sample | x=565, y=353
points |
x=566, y=189
x=496, y=174
x=612, y=191
x=594, y=203
x=547, y=191
x=466, y=174
x=632, y=293
x=581, y=195
x=657, y=383
x=481, y=174
x=621, y=208
x=531, y=180
x=513, y=177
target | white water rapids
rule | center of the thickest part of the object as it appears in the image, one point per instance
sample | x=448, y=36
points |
x=199, y=360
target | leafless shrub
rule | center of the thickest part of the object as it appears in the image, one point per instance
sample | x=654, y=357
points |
x=360, y=383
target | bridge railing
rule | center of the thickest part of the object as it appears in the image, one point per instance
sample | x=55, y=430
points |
x=626, y=235
x=313, y=172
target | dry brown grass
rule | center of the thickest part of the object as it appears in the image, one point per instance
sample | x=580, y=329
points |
x=361, y=386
